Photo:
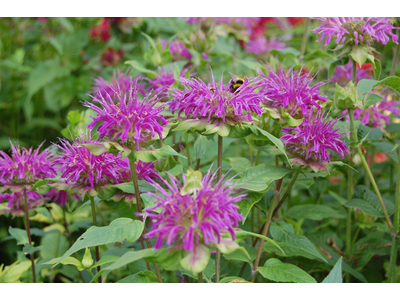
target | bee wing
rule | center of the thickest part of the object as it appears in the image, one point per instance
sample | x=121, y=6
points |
x=233, y=76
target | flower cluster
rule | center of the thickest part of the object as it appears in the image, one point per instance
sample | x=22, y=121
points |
x=120, y=82
x=356, y=30
x=309, y=143
x=343, y=74
x=291, y=91
x=127, y=119
x=26, y=167
x=190, y=220
x=81, y=167
x=213, y=101
x=161, y=83
x=376, y=115
x=179, y=50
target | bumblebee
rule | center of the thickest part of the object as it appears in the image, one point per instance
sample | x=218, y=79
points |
x=236, y=82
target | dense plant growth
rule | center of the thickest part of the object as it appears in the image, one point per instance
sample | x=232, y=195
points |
x=133, y=153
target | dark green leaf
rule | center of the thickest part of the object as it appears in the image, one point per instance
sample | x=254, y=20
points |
x=335, y=276
x=278, y=271
x=156, y=154
x=314, y=212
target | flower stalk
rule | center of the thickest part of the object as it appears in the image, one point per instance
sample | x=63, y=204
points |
x=219, y=175
x=28, y=231
x=95, y=224
x=396, y=227
x=304, y=41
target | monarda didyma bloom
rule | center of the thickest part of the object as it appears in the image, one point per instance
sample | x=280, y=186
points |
x=214, y=107
x=84, y=172
x=120, y=82
x=291, y=92
x=25, y=167
x=126, y=119
x=356, y=30
x=377, y=115
x=15, y=201
x=195, y=216
x=310, y=143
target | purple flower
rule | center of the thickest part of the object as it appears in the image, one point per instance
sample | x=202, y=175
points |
x=376, y=115
x=262, y=45
x=356, y=30
x=310, y=142
x=343, y=74
x=120, y=82
x=60, y=197
x=214, y=101
x=179, y=50
x=291, y=91
x=193, y=219
x=81, y=167
x=161, y=83
x=127, y=119
x=16, y=201
x=26, y=167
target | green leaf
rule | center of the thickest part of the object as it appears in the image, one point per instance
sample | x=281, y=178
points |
x=239, y=254
x=317, y=54
x=258, y=178
x=137, y=66
x=166, y=259
x=54, y=244
x=20, y=235
x=372, y=99
x=364, y=86
x=240, y=164
x=246, y=204
x=278, y=271
x=141, y=277
x=359, y=54
x=12, y=273
x=200, y=147
x=392, y=82
x=377, y=69
x=293, y=244
x=231, y=278
x=241, y=233
x=28, y=249
x=314, y=212
x=335, y=276
x=128, y=258
x=156, y=154
x=106, y=259
x=67, y=261
x=387, y=148
x=368, y=202
x=340, y=62
x=365, y=133
x=292, y=122
x=119, y=230
x=340, y=199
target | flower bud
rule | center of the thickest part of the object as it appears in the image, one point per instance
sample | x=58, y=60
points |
x=87, y=260
x=345, y=97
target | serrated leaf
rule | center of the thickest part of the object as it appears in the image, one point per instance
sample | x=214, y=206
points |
x=368, y=202
x=364, y=86
x=119, y=230
x=278, y=271
x=259, y=177
x=284, y=235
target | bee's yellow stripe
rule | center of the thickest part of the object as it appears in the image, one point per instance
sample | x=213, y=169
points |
x=235, y=86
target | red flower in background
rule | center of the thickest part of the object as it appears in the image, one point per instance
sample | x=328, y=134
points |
x=114, y=21
x=111, y=56
x=378, y=158
x=101, y=31
x=295, y=20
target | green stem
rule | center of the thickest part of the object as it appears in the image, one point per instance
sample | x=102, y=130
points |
x=187, y=147
x=270, y=215
x=367, y=169
x=200, y=275
x=219, y=175
x=139, y=209
x=28, y=231
x=95, y=224
x=354, y=73
x=257, y=157
x=396, y=219
x=304, y=41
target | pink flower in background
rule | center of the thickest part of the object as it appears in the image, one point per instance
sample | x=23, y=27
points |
x=261, y=44
x=61, y=197
x=356, y=30
x=343, y=74
x=15, y=201
x=102, y=31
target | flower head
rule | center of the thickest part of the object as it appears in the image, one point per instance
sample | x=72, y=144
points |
x=309, y=143
x=120, y=82
x=15, y=201
x=213, y=101
x=80, y=166
x=291, y=91
x=179, y=50
x=127, y=119
x=60, y=197
x=193, y=219
x=26, y=166
x=377, y=115
x=356, y=30
x=161, y=83
x=343, y=74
